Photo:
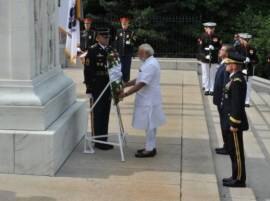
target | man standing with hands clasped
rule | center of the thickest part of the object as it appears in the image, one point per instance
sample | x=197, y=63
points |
x=148, y=113
x=221, y=79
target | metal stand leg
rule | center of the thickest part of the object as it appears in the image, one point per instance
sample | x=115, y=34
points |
x=88, y=147
x=121, y=136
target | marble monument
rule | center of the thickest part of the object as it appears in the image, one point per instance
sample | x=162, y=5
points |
x=40, y=119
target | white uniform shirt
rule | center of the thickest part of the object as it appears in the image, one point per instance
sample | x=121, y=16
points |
x=148, y=113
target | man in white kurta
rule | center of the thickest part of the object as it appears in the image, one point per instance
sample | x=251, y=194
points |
x=148, y=113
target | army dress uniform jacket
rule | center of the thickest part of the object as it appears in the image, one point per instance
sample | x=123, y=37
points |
x=252, y=54
x=88, y=38
x=95, y=73
x=233, y=103
x=96, y=79
x=203, y=42
x=124, y=42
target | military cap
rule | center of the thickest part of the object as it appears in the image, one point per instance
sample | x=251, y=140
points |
x=245, y=35
x=234, y=58
x=209, y=24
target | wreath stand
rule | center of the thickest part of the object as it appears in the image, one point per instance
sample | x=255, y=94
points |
x=121, y=135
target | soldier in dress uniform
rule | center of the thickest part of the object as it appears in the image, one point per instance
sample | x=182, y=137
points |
x=245, y=49
x=96, y=78
x=209, y=44
x=235, y=119
x=124, y=43
x=88, y=36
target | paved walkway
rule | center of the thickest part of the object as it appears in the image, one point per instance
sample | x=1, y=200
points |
x=185, y=169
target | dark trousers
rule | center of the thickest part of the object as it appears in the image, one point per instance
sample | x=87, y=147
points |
x=236, y=150
x=101, y=113
x=223, y=131
x=126, y=65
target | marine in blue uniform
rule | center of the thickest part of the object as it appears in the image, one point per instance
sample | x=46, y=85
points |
x=246, y=50
x=209, y=44
x=96, y=78
x=221, y=79
x=235, y=119
x=124, y=43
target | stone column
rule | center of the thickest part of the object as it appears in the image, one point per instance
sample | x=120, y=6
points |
x=40, y=119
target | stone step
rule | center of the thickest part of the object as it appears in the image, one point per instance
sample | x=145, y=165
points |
x=256, y=98
x=241, y=194
x=265, y=97
x=198, y=173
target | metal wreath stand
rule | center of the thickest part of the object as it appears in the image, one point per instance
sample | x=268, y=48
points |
x=121, y=135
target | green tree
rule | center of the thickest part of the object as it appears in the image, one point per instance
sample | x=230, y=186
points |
x=231, y=16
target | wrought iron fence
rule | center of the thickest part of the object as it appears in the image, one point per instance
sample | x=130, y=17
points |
x=171, y=37
x=175, y=36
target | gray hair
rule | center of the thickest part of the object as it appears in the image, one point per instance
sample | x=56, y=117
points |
x=147, y=48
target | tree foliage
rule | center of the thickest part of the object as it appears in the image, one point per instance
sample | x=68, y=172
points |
x=231, y=16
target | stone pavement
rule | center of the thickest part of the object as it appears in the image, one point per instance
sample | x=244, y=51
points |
x=184, y=169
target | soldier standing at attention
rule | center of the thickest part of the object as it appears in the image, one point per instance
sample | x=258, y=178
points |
x=244, y=48
x=96, y=78
x=209, y=45
x=88, y=36
x=235, y=121
x=124, y=43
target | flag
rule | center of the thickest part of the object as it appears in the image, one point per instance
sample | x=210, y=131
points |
x=69, y=23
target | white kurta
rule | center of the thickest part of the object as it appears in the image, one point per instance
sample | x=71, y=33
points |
x=148, y=112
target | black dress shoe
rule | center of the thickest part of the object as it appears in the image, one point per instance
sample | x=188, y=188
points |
x=206, y=93
x=145, y=154
x=104, y=147
x=142, y=150
x=225, y=180
x=247, y=105
x=221, y=151
x=211, y=93
x=235, y=184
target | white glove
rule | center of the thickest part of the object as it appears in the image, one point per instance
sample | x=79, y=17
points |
x=244, y=71
x=211, y=47
x=247, y=60
x=208, y=57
